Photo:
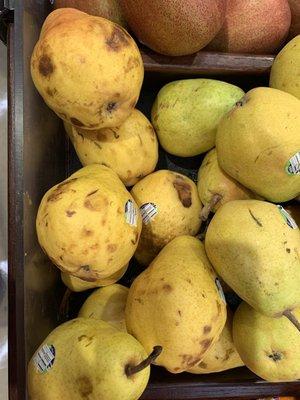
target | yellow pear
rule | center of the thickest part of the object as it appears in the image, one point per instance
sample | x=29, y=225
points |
x=88, y=69
x=89, y=224
x=170, y=207
x=177, y=303
x=254, y=246
x=285, y=69
x=88, y=359
x=222, y=355
x=107, y=304
x=258, y=143
x=270, y=347
x=186, y=114
x=215, y=187
x=79, y=285
x=131, y=150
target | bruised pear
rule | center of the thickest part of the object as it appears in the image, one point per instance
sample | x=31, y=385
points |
x=131, y=149
x=177, y=302
x=88, y=69
x=89, y=224
x=215, y=187
x=170, y=207
x=89, y=359
x=223, y=354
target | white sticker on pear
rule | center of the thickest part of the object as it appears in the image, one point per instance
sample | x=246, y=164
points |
x=287, y=217
x=131, y=213
x=148, y=212
x=220, y=289
x=44, y=358
x=293, y=165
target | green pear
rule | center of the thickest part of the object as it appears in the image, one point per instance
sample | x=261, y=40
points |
x=177, y=303
x=270, y=347
x=215, y=187
x=254, y=246
x=186, y=114
x=258, y=143
x=107, y=304
x=223, y=355
x=89, y=359
x=285, y=69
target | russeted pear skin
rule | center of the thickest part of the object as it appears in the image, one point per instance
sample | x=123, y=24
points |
x=285, y=68
x=215, y=187
x=107, y=304
x=88, y=69
x=75, y=219
x=186, y=114
x=87, y=359
x=177, y=304
x=258, y=143
x=223, y=354
x=131, y=149
x=254, y=246
x=270, y=347
x=79, y=285
x=170, y=206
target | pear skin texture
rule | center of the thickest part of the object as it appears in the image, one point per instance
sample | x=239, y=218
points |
x=186, y=114
x=285, y=70
x=75, y=219
x=295, y=24
x=223, y=355
x=174, y=27
x=90, y=360
x=175, y=303
x=88, y=69
x=212, y=180
x=109, y=9
x=270, y=347
x=130, y=150
x=256, y=252
x=256, y=140
x=107, y=304
x=79, y=285
x=177, y=202
x=251, y=27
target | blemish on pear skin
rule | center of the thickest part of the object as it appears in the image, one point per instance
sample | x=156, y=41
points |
x=257, y=221
x=184, y=191
x=70, y=213
x=202, y=365
x=76, y=122
x=275, y=356
x=288, y=250
x=118, y=39
x=179, y=313
x=93, y=192
x=112, y=247
x=85, y=386
x=207, y=329
x=46, y=67
x=205, y=343
x=167, y=288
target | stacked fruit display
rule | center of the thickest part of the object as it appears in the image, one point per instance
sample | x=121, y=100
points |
x=89, y=71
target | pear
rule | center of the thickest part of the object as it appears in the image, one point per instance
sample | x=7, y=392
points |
x=89, y=224
x=285, y=69
x=90, y=359
x=107, y=304
x=186, y=114
x=222, y=355
x=270, y=347
x=254, y=246
x=170, y=207
x=177, y=303
x=215, y=187
x=258, y=143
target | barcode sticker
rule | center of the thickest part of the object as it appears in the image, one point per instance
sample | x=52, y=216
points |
x=220, y=289
x=293, y=165
x=148, y=211
x=287, y=217
x=44, y=358
x=130, y=213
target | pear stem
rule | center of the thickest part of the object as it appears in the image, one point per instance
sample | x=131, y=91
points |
x=133, y=369
x=291, y=317
x=64, y=305
x=207, y=209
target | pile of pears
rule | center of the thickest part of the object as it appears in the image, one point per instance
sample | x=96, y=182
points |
x=187, y=238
